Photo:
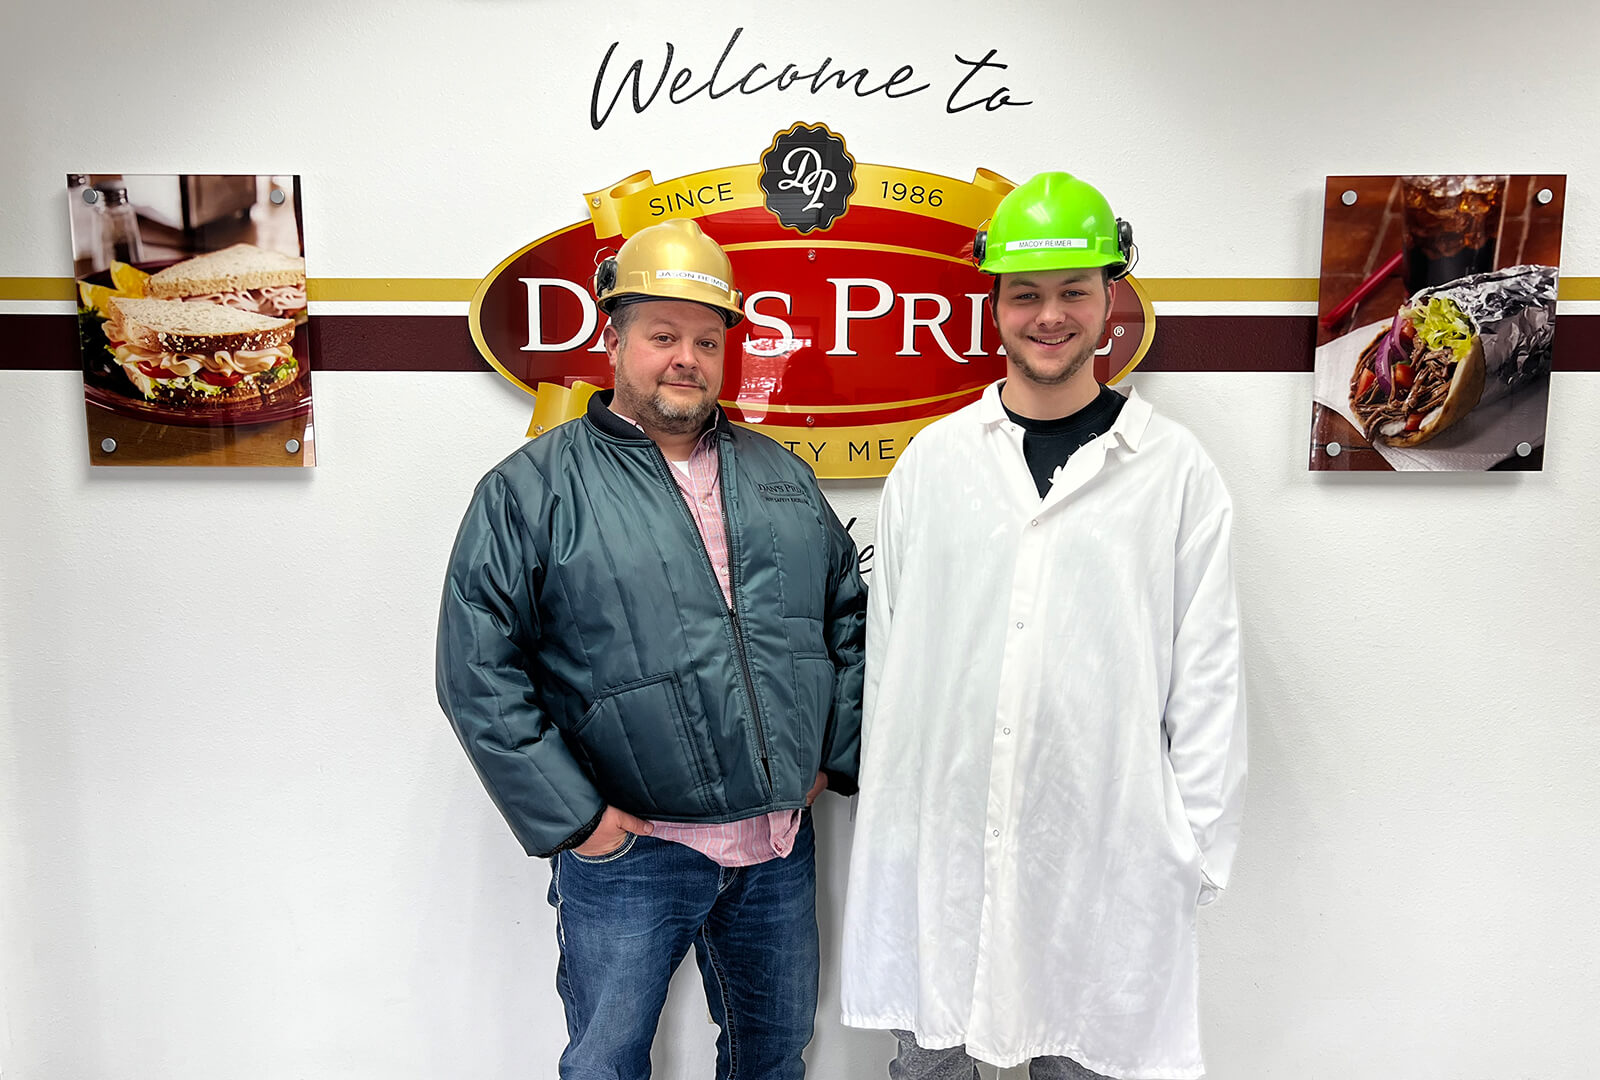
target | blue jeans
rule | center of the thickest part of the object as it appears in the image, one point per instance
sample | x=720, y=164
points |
x=625, y=921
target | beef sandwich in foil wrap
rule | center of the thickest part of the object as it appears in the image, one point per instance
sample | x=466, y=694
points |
x=1454, y=347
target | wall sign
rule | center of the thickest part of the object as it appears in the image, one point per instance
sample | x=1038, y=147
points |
x=677, y=81
x=865, y=317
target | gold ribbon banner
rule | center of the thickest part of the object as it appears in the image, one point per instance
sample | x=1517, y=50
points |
x=637, y=201
x=834, y=453
x=554, y=404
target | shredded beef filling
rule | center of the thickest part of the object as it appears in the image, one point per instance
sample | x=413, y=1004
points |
x=1430, y=385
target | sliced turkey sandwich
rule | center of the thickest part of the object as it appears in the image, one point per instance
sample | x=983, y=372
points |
x=200, y=354
x=242, y=276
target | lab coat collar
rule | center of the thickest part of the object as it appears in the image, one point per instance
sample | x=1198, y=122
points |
x=1129, y=427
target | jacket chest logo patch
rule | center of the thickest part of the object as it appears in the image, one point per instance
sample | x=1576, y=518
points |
x=783, y=491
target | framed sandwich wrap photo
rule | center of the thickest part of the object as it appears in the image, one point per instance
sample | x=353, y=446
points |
x=1436, y=322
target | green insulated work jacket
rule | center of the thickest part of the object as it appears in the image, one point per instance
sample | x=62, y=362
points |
x=586, y=655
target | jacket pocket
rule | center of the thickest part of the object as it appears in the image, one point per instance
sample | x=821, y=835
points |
x=645, y=752
x=813, y=683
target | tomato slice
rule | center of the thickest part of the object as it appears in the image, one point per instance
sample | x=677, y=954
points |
x=1404, y=376
x=1414, y=422
x=153, y=372
x=1367, y=379
x=221, y=378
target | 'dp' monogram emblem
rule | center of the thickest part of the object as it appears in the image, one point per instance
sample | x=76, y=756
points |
x=808, y=177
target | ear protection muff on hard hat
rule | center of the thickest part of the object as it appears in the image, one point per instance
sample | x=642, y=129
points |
x=605, y=276
x=1125, y=245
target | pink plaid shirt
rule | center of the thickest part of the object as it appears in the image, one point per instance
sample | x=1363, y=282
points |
x=766, y=836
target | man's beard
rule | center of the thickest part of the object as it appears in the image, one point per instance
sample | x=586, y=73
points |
x=657, y=412
x=1084, y=354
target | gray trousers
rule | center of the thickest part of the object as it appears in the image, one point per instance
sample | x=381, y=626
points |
x=912, y=1062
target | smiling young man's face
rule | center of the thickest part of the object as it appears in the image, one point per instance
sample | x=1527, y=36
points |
x=1052, y=321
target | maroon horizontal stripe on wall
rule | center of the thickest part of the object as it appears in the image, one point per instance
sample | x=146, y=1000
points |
x=442, y=343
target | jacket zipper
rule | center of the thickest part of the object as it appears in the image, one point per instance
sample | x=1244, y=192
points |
x=750, y=692
x=729, y=610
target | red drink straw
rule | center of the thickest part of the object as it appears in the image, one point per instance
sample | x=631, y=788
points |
x=1327, y=321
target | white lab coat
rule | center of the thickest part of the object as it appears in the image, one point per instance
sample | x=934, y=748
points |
x=1053, y=755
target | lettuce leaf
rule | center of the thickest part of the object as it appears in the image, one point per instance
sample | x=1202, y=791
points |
x=1442, y=325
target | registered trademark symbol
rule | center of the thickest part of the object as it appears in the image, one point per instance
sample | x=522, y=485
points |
x=1119, y=330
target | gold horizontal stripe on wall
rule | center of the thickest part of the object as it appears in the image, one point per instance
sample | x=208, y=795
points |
x=1236, y=290
x=373, y=290
x=377, y=290
x=37, y=288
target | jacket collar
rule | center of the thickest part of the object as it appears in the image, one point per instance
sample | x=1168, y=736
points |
x=1129, y=426
x=600, y=415
x=615, y=427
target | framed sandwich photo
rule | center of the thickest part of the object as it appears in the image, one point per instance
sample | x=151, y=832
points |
x=192, y=320
x=1436, y=322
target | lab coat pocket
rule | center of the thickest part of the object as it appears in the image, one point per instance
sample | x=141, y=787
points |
x=1180, y=837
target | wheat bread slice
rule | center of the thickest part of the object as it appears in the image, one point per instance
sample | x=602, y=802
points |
x=181, y=326
x=233, y=269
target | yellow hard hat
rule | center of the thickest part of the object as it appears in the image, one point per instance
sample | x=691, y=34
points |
x=670, y=261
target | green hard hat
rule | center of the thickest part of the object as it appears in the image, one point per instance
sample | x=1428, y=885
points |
x=1053, y=222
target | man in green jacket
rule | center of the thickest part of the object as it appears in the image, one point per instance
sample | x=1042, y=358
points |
x=650, y=646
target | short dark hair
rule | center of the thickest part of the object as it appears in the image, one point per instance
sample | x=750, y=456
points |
x=622, y=316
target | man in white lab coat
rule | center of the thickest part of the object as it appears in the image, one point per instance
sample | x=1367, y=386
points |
x=1053, y=755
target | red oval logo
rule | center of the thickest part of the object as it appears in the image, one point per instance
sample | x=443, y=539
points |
x=856, y=335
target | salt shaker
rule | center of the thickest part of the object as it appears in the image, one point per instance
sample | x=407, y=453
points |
x=120, y=238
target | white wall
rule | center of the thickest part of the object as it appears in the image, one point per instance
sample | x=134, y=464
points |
x=236, y=836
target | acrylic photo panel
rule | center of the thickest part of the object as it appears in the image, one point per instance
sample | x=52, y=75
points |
x=192, y=320
x=1436, y=322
